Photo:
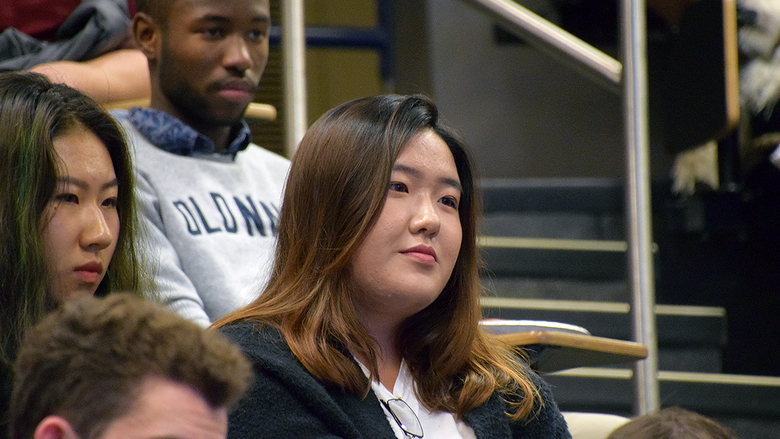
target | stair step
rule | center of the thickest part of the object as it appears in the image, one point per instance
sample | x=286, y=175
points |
x=748, y=404
x=553, y=194
x=557, y=289
x=558, y=258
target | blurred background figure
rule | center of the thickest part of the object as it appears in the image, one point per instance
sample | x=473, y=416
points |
x=35, y=31
x=87, y=44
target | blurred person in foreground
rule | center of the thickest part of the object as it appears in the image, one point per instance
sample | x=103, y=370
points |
x=123, y=367
x=672, y=423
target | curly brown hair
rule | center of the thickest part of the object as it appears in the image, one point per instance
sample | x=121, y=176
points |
x=87, y=360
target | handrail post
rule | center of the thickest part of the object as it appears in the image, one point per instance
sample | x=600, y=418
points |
x=294, y=56
x=638, y=216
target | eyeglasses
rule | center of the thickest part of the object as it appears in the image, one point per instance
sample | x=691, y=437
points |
x=404, y=416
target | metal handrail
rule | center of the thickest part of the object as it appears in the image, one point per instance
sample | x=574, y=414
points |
x=638, y=210
x=630, y=80
x=555, y=41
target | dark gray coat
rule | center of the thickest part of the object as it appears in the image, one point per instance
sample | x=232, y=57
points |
x=285, y=400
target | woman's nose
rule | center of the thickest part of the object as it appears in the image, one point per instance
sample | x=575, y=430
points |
x=97, y=233
x=425, y=218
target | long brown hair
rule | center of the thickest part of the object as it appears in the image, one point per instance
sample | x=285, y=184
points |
x=334, y=194
x=33, y=112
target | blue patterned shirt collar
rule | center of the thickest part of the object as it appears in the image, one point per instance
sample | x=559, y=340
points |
x=174, y=136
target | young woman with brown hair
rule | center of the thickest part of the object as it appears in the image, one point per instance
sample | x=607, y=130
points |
x=369, y=325
x=67, y=208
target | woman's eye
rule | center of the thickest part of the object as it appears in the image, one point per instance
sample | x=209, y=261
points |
x=450, y=201
x=398, y=187
x=110, y=202
x=67, y=198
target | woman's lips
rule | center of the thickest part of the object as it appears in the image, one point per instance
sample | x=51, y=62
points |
x=89, y=277
x=90, y=272
x=422, y=253
x=422, y=257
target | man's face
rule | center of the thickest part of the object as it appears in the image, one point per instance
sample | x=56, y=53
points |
x=167, y=409
x=212, y=55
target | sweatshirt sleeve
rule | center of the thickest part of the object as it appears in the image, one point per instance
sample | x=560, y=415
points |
x=174, y=288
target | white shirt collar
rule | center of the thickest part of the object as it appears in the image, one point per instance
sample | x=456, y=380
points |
x=436, y=425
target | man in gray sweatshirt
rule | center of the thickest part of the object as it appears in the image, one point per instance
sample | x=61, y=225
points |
x=209, y=197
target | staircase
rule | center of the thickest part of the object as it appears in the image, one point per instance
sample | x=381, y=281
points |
x=554, y=250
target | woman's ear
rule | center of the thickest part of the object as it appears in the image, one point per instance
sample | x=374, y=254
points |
x=147, y=35
x=54, y=427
